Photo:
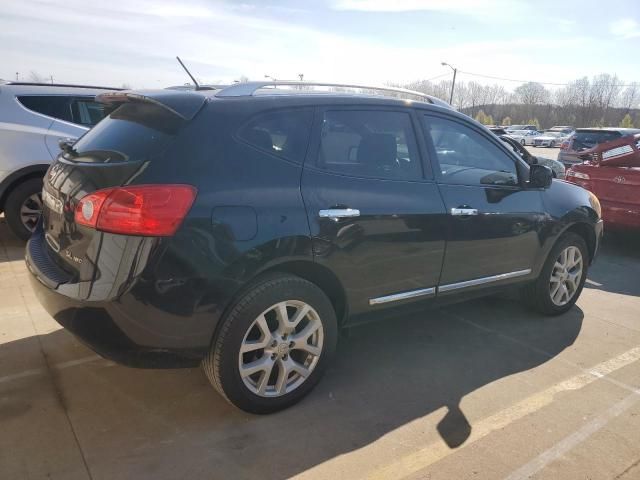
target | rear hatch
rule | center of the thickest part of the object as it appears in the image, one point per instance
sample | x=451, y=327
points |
x=115, y=153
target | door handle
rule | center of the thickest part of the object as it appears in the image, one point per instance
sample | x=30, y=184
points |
x=463, y=212
x=337, y=213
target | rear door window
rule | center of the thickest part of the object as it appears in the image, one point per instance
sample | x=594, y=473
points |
x=56, y=106
x=283, y=133
x=369, y=144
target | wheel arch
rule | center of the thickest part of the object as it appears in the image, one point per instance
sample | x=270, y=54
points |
x=321, y=276
x=584, y=230
x=16, y=178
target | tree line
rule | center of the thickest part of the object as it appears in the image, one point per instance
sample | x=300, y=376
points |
x=600, y=101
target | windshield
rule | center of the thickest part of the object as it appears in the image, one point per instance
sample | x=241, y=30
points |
x=584, y=140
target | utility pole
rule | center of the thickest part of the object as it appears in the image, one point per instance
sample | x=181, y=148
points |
x=453, y=83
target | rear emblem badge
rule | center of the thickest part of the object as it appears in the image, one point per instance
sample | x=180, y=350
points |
x=72, y=257
x=619, y=179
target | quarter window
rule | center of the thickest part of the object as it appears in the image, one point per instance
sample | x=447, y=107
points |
x=466, y=157
x=283, y=133
x=373, y=144
x=86, y=112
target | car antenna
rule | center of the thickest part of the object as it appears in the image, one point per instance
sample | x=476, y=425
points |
x=195, y=82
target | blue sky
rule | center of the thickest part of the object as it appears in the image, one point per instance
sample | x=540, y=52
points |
x=369, y=41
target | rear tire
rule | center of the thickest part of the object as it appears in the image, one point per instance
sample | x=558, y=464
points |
x=545, y=294
x=23, y=207
x=285, y=368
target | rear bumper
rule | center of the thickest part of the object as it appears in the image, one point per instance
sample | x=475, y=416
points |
x=128, y=330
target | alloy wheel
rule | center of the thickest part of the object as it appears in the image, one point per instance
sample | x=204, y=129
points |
x=566, y=276
x=30, y=211
x=281, y=348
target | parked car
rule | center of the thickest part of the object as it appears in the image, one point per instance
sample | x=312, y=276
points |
x=33, y=118
x=566, y=129
x=549, y=139
x=522, y=127
x=241, y=228
x=523, y=137
x=584, y=139
x=556, y=167
x=611, y=170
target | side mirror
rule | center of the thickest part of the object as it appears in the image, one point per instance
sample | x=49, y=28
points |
x=540, y=176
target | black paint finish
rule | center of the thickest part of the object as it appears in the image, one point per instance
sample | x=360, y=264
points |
x=157, y=301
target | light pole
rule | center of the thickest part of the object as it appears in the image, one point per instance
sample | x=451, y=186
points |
x=272, y=78
x=453, y=84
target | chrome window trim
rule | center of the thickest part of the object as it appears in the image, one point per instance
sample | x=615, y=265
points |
x=483, y=280
x=423, y=292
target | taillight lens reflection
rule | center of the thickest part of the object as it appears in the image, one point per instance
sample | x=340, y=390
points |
x=150, y=210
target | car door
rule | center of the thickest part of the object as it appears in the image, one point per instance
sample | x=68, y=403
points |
x=376, y=219
x=493, y=222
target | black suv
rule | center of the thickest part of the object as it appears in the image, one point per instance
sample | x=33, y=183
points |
x=243, y=227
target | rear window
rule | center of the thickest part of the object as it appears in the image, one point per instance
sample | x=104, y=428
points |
x=283, y=133
x=589, y=139
x=134, y=131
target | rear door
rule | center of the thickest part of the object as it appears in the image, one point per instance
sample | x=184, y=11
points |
x=376, y=218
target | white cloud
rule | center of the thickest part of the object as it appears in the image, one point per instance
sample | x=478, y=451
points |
x=120, y=41
x=625, y=28
x=467, y=7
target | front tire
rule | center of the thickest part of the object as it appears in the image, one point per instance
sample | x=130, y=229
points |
x=272, y=345
x=562, y=277
x=522, y=142
x=24, y=207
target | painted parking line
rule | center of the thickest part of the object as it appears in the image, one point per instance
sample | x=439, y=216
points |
x=42, y=371
x=571, y=441
x=423, y=458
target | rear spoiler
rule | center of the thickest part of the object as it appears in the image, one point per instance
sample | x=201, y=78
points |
x=183, y=104
x=621, y=152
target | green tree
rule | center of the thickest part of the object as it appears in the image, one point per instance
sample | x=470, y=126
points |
x=488, y=120
x=535, y=122
x=506, y=121
x=626, y=122
x=481, y=117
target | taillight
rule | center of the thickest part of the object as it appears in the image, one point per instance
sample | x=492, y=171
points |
x=564, y=145
x=150, y=210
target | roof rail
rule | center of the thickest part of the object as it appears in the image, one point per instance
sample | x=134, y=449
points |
x=43, y=84
x=246, y=89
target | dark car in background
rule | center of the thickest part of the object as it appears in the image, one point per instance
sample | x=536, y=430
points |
x=572, y=150
x=243, y=227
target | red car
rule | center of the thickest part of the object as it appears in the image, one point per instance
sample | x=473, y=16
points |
x=611, y=170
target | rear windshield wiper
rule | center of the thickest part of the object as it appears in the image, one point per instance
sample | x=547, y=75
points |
x=66, y=145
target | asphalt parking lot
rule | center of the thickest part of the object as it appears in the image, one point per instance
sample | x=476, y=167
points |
x=482, y=390
x=546, y=152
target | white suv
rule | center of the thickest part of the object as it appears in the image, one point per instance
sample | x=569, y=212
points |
x=33, y=118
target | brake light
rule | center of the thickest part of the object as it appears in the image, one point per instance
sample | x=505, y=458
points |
x=150, y=210
x=564, y=145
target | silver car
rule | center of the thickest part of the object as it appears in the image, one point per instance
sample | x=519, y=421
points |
x=33, y=118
